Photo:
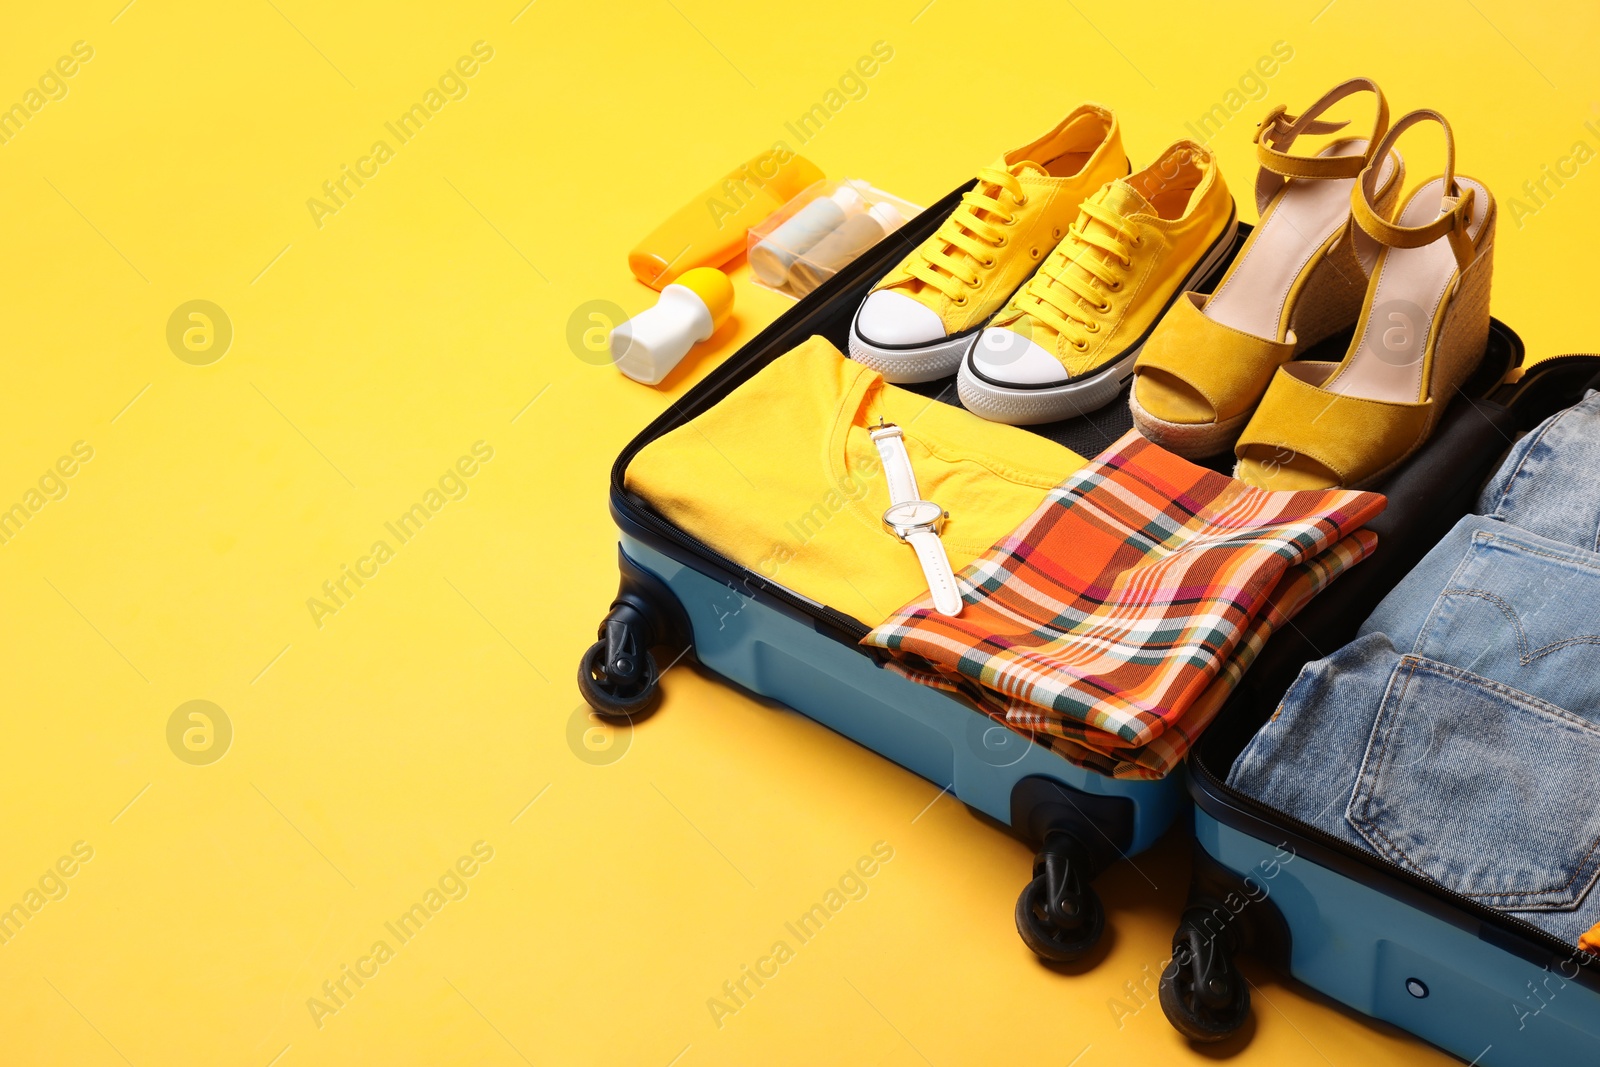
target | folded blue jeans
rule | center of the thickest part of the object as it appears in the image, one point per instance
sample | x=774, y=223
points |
x=1459, y=735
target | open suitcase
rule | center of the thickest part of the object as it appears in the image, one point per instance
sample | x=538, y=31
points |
x=679, y=597
x=1483, y=985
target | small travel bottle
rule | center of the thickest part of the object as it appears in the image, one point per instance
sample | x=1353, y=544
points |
x=840, y=248
x=772, y=257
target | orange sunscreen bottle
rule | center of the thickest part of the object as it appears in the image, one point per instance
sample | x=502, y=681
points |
x=711, y=229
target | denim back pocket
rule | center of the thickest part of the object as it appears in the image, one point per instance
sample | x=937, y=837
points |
x=1525, y=611
x=1486, y=790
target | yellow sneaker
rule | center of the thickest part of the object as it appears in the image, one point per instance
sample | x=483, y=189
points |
x=920, y=316
x=1067, y=341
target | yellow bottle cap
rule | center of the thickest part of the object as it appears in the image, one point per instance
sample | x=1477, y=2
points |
x=712, y=287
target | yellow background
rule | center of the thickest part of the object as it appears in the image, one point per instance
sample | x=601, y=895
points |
x=368, y=354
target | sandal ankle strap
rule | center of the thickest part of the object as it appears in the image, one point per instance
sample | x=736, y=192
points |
x=1279, y=130
x=1455, y=213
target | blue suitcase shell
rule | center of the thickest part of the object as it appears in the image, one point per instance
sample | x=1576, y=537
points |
x=678, y=597
x=1477, y=983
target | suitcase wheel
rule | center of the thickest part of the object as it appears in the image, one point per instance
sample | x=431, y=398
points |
x=1059, y=915
x=616, y=676
x=1203, y=995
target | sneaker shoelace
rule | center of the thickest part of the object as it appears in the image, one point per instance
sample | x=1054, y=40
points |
x=966, y=241
x=1063, y=294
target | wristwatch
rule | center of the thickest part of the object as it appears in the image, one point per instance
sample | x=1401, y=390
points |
x=915, y=521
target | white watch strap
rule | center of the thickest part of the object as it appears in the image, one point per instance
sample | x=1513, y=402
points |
x=896, y=467
x=936, y=565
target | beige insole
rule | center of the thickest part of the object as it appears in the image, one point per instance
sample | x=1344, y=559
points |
x=1307, y=213
x=1411, y=282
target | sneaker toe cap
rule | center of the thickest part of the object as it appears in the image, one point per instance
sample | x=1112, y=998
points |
x=891, y=318
x=1007, y=357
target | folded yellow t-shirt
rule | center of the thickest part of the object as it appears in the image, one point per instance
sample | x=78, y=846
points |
x=781, y=477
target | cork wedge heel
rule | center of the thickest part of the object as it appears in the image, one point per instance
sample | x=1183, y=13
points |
x=1423, y=329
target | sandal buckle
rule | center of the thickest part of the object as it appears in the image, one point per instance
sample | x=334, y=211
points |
x=1267, y=127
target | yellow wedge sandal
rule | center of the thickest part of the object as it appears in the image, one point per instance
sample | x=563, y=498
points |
x=1424, y=325
x=1296, y=281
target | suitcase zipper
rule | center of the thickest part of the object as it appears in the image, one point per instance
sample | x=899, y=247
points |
x=1558, y=359
x=1588, y=963
x=625, y=509
x=845, y=626
x=1509, y=389
x=1271, y=816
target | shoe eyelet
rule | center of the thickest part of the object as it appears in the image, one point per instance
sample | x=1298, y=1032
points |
x=986, y=263
x=974, y=283
x=1055, y=232
x=1080, y=346
x=960, y=301
x=1021, y=201
x=1103, y=307
x=1033, y=253
x=1004, y=240
x=1115, y=287
x=1010, y=220
x=1093, y=327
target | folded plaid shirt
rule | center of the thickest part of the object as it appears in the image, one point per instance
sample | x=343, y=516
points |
x=1118, y=617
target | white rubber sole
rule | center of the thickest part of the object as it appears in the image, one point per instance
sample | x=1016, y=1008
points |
x=1030, y=406
x=909, y=365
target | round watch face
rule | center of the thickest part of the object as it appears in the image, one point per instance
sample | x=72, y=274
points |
x=913, y=513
